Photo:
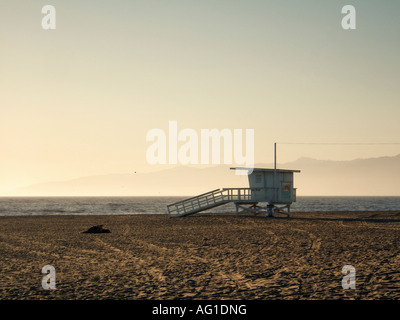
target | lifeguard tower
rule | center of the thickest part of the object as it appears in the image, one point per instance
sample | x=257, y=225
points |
x=273, y=187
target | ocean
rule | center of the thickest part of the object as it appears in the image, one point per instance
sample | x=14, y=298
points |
x=35, y=206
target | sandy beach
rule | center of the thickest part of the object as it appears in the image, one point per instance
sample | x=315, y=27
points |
x=202, y=256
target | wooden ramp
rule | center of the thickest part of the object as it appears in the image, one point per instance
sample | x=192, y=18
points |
x=210, y=200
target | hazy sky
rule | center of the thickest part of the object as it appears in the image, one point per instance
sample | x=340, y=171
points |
x=79, y=100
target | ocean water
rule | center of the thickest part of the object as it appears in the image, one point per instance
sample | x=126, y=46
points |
x=33, y=206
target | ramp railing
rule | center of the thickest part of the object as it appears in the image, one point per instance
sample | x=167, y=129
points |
x=211, y=199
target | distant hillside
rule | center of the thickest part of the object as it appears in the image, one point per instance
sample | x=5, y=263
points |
x=375, y=176
x=174, y=182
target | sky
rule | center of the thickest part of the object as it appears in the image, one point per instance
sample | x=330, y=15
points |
x=79, y=100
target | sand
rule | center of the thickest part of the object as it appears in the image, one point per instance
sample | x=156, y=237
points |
x=202, y=257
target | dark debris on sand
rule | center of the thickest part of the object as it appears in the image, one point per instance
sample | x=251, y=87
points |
x=97, y=229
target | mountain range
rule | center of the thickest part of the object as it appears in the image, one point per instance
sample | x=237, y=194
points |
x=360, y=177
